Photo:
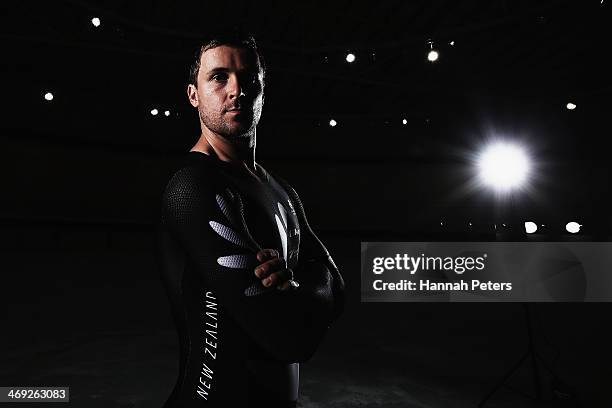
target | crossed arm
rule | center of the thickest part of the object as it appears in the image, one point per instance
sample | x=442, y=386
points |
x=289, y=324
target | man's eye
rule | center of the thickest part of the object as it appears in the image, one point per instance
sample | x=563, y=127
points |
x=219, y=77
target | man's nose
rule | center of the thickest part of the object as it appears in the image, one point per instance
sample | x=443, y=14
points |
x=236, y=88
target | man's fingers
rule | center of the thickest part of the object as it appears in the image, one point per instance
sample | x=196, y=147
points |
x=276, y=278
x=266, y=254
x=268, y=267
x=273, y=269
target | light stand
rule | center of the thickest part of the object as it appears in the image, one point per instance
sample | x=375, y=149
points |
x=532, y=355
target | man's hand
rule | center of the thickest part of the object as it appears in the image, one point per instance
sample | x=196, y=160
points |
x=272, y=270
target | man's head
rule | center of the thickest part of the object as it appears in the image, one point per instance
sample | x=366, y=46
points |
x=226, y=85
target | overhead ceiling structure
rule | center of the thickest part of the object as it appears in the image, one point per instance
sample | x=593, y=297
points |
x=508, y=66
x=347, y=82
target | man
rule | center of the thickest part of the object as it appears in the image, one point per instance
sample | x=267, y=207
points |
x=252, y=289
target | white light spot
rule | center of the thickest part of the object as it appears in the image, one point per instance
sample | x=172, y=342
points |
x=503, y=166
x=452, y=43
x=154, y=112
x=167, y=113
x=332, y=123
x=432, y=55
x=570, y=106
x=404, y=122
x=350, y=57
x=49, y=96
x=95, y=21
x=530, y=227
x=573, y=227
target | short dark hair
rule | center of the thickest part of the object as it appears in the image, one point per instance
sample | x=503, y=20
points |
x=234, y=37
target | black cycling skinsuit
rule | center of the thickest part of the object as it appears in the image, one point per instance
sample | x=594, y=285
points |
x=240, y=342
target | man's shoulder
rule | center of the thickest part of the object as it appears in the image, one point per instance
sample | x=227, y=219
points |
x=192, y=178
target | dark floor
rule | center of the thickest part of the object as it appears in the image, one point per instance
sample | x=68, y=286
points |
x=98, y=322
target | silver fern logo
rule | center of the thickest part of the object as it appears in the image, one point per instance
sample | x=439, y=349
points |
x=240, y=236
x=291, y=207
x=282, y=229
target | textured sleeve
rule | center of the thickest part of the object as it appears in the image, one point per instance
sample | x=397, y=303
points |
x=287, y=324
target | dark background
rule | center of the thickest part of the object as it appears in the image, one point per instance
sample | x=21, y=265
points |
x=82, y=303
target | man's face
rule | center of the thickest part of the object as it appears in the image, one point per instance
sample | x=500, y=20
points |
x=229, y=93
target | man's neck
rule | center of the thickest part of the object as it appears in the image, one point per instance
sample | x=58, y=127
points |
x=240, y=152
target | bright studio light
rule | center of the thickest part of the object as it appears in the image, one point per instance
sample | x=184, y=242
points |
x=530, y=227
x=570, y=106
x=49, y=96
x=95, y=21
x=404, y=122
x=332, y=123
x=154, y=112
x=167, y=113
x=350, y=57
x=573, y=227
x=503, y=166
x=432, y=55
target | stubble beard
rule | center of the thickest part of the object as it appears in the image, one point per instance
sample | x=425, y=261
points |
x=231, y=133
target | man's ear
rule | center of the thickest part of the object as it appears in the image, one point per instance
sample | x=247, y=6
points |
x=192, y=94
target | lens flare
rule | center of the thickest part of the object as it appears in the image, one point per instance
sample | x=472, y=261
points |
x=503, y=166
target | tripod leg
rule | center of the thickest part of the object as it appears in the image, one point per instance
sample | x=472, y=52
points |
x=536, y=377
x=503, y=379
x=534, y=361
